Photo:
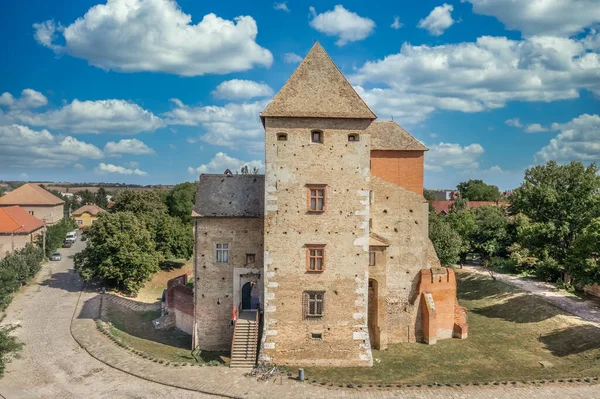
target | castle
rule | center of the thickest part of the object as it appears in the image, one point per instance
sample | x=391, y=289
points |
x=327, y=254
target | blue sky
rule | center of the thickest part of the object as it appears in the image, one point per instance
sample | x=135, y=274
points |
x=157, y=91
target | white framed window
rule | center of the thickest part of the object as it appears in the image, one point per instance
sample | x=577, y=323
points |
x=79, y=222
x=222, y=253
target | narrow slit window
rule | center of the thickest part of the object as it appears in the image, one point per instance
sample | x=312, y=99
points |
x=316, y=259
x=222, y=253
x=372, y=258
x=316, y=136
x=317, y=336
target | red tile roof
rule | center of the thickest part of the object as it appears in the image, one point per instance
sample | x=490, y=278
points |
x=14, y=219
x=30, y=194
x=444, y=206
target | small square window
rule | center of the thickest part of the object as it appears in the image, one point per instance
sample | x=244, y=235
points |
x=372, y=258
x=250, y=258
x=353, y=137
x=314, y=304
x=31, y=213
x=317, y=336
x=222, y=253
x=281, y=136
x=316, y=136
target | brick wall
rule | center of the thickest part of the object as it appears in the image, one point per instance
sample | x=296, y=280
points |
x=180, y=303
x=403, y=168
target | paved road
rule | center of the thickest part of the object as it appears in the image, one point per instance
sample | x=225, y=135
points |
x=52, y=365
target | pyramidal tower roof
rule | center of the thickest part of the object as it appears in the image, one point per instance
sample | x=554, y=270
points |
x=317, y=89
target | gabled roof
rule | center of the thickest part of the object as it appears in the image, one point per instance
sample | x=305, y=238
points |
x=91, y=209
x=388, y=135
x=230, y=196
x=30, y=194
x=16, y=220
x=317, y=89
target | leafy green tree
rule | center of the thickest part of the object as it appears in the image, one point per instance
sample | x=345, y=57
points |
x=446, y=241
x=490, y=235
x=87, y=197
x=120, y=251
x=173, y=238
x=56, y=234
x=1, y=192
x=139, y=202
x=583, y=262
x=9, y=345
x=477, y=190
x=462, y=222
x=100, y=198
x=16, y=269
x=181, y=200
x=559, y=201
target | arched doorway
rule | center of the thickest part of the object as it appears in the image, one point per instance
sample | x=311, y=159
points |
x=246, y=293
x=373, y=313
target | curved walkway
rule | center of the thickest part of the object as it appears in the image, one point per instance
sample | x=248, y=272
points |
x=53, y=365
x=587, y=310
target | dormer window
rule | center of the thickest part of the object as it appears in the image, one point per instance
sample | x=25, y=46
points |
x=281, y=136
x=353, y=137
x=316, y=136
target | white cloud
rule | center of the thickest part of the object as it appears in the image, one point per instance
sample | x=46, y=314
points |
x=346, y=25
x=438, y=20
x=232, y=125
x=110, y=168
x=396, y=24
x=541, y=17
x=132, y=164
x=127, y=146
x=102, y=116
x=514, y=122
x=29, y=99
x=156, y=36
x=222, y=161
x=281, y=6
x=237, y=89
x=292, y=58
x=535, y=128
x=578, y=140
x=79, y=166
x=473, y=77
x=21, y=146
x=448, y=155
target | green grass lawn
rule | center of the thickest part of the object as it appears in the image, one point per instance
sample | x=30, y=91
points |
x=136, y=330
x=509, y=333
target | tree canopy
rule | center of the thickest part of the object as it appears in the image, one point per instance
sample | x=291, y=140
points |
x=477, y=190
x=583, y=262
x=139, y=201
x=181, y=200
x=446, y=241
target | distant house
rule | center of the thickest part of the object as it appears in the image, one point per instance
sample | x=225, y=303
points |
x=86, y=215
x=17, y=228
x=444, y=194
x=37, y=201
x=443, y=207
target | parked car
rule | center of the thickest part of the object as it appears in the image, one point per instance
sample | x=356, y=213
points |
x=56, y=256
x=67, y=244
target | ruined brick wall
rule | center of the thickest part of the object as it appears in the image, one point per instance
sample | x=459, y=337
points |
x=344, y=228
x=180, y=302
x=401, y=218
x=214, y=282
x=441, y=284
x=403, y=168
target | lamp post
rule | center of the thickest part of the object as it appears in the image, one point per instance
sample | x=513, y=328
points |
x=12, y=237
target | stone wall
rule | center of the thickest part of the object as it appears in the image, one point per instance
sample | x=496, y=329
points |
x=180, y=303
x=403, y=168
x=343, y=228
x=214, y=282
x=18, y=241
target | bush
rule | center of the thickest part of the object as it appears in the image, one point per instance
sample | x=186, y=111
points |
x=17, y=269
x=55, y=235
x=8, y=345
x=446, y=241
x=503, y=265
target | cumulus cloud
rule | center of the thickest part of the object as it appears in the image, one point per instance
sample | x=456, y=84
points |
x=102, y=116
x=127, y=146
x=578, y=140
x=237, y=89
x=396, y=24
x=473, y=77
x=221, y=161
x=21, y=146
x=292, y=58
x=535, y=128
x=438, y=20
x=346, y=25
x=541, y=17
x=103, y=168
x=514, y=122
x=157, y=36
x=232, y=125
x=448, y=155
x=29, y=99
x=281, y=6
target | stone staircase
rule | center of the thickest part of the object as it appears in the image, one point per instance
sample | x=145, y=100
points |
x=245, y=341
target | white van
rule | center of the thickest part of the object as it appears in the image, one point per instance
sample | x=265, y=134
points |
x=71, y=236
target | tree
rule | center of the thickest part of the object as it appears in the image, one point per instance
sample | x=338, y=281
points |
x=8, y=345
x=100, y=198
x=462, y=222
x=446, y=241
x=246, y=171
x=120, y=251
x=181, y=200
x=56, y=234
x=477, y=190
x=559, y=201
x=87, y=197
x=173, y=238
x=138, y=202
x=1, y=192
x=490, y=235
x=583, y=262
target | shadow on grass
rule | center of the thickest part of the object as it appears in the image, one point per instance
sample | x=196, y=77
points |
x=169, y=265
x=572, y=340
x=473, y=287
x=520, y=309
